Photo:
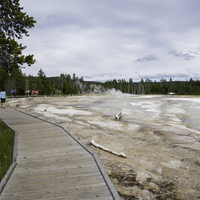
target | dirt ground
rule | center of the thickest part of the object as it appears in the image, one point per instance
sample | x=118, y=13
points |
x=160, y=136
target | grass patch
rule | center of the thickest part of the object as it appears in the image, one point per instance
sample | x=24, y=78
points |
x=6, y=148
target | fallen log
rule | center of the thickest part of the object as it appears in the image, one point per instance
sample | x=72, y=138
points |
x=106, y=149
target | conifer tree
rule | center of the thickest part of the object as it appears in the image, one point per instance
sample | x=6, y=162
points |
x=13, y=25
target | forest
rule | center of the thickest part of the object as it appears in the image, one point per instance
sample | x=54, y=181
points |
x=66, y=84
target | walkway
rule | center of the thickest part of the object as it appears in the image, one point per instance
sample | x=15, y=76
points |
x=52, y=164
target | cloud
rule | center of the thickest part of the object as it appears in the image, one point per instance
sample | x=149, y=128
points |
x=96, y=40
x=180, y=54
x=187, y=56
x=167, y=75
x=193, y=52
x=104, y=76
x=175, y=53
x=147, y=59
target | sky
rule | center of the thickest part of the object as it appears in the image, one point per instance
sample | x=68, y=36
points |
x=102, y=40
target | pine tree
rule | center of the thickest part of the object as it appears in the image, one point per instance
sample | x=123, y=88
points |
x=13, y=25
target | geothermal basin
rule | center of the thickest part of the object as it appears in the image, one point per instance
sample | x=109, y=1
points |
x=160, y=135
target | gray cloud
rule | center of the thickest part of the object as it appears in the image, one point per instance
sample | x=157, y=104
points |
x=175, y=53
x=104, y=76
x=187, y=56
x=194, y=52
x=174, y=75
x=97, y=39
x=147, y=59
x=180, y=54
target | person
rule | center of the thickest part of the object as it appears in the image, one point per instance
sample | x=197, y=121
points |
x=12, y=91
x=3, y=98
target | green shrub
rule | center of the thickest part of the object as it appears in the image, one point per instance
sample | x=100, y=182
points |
x=6, y=148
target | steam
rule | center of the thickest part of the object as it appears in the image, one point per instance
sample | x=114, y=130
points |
x=96, y=89
x=114, y=92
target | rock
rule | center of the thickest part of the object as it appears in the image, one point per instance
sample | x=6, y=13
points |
x=153, y=188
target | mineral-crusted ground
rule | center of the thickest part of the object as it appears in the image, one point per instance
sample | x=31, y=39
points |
x=160, y=136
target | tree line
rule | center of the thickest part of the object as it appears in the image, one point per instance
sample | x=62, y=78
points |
x=66, y=84
x=147, y=86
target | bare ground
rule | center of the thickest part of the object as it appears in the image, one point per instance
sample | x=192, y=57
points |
x=162, y=149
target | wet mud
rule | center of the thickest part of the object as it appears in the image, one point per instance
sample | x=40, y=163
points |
x=160, y=136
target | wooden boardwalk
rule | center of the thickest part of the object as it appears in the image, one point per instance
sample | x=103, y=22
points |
x=52, y=164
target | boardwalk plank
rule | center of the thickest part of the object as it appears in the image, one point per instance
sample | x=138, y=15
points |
x=61, y=155
x=69, y=183
x=51, y=176
x=85, y=192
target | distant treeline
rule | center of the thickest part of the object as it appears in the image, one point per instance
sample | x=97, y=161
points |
x=190, y=87
x=65, y=84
